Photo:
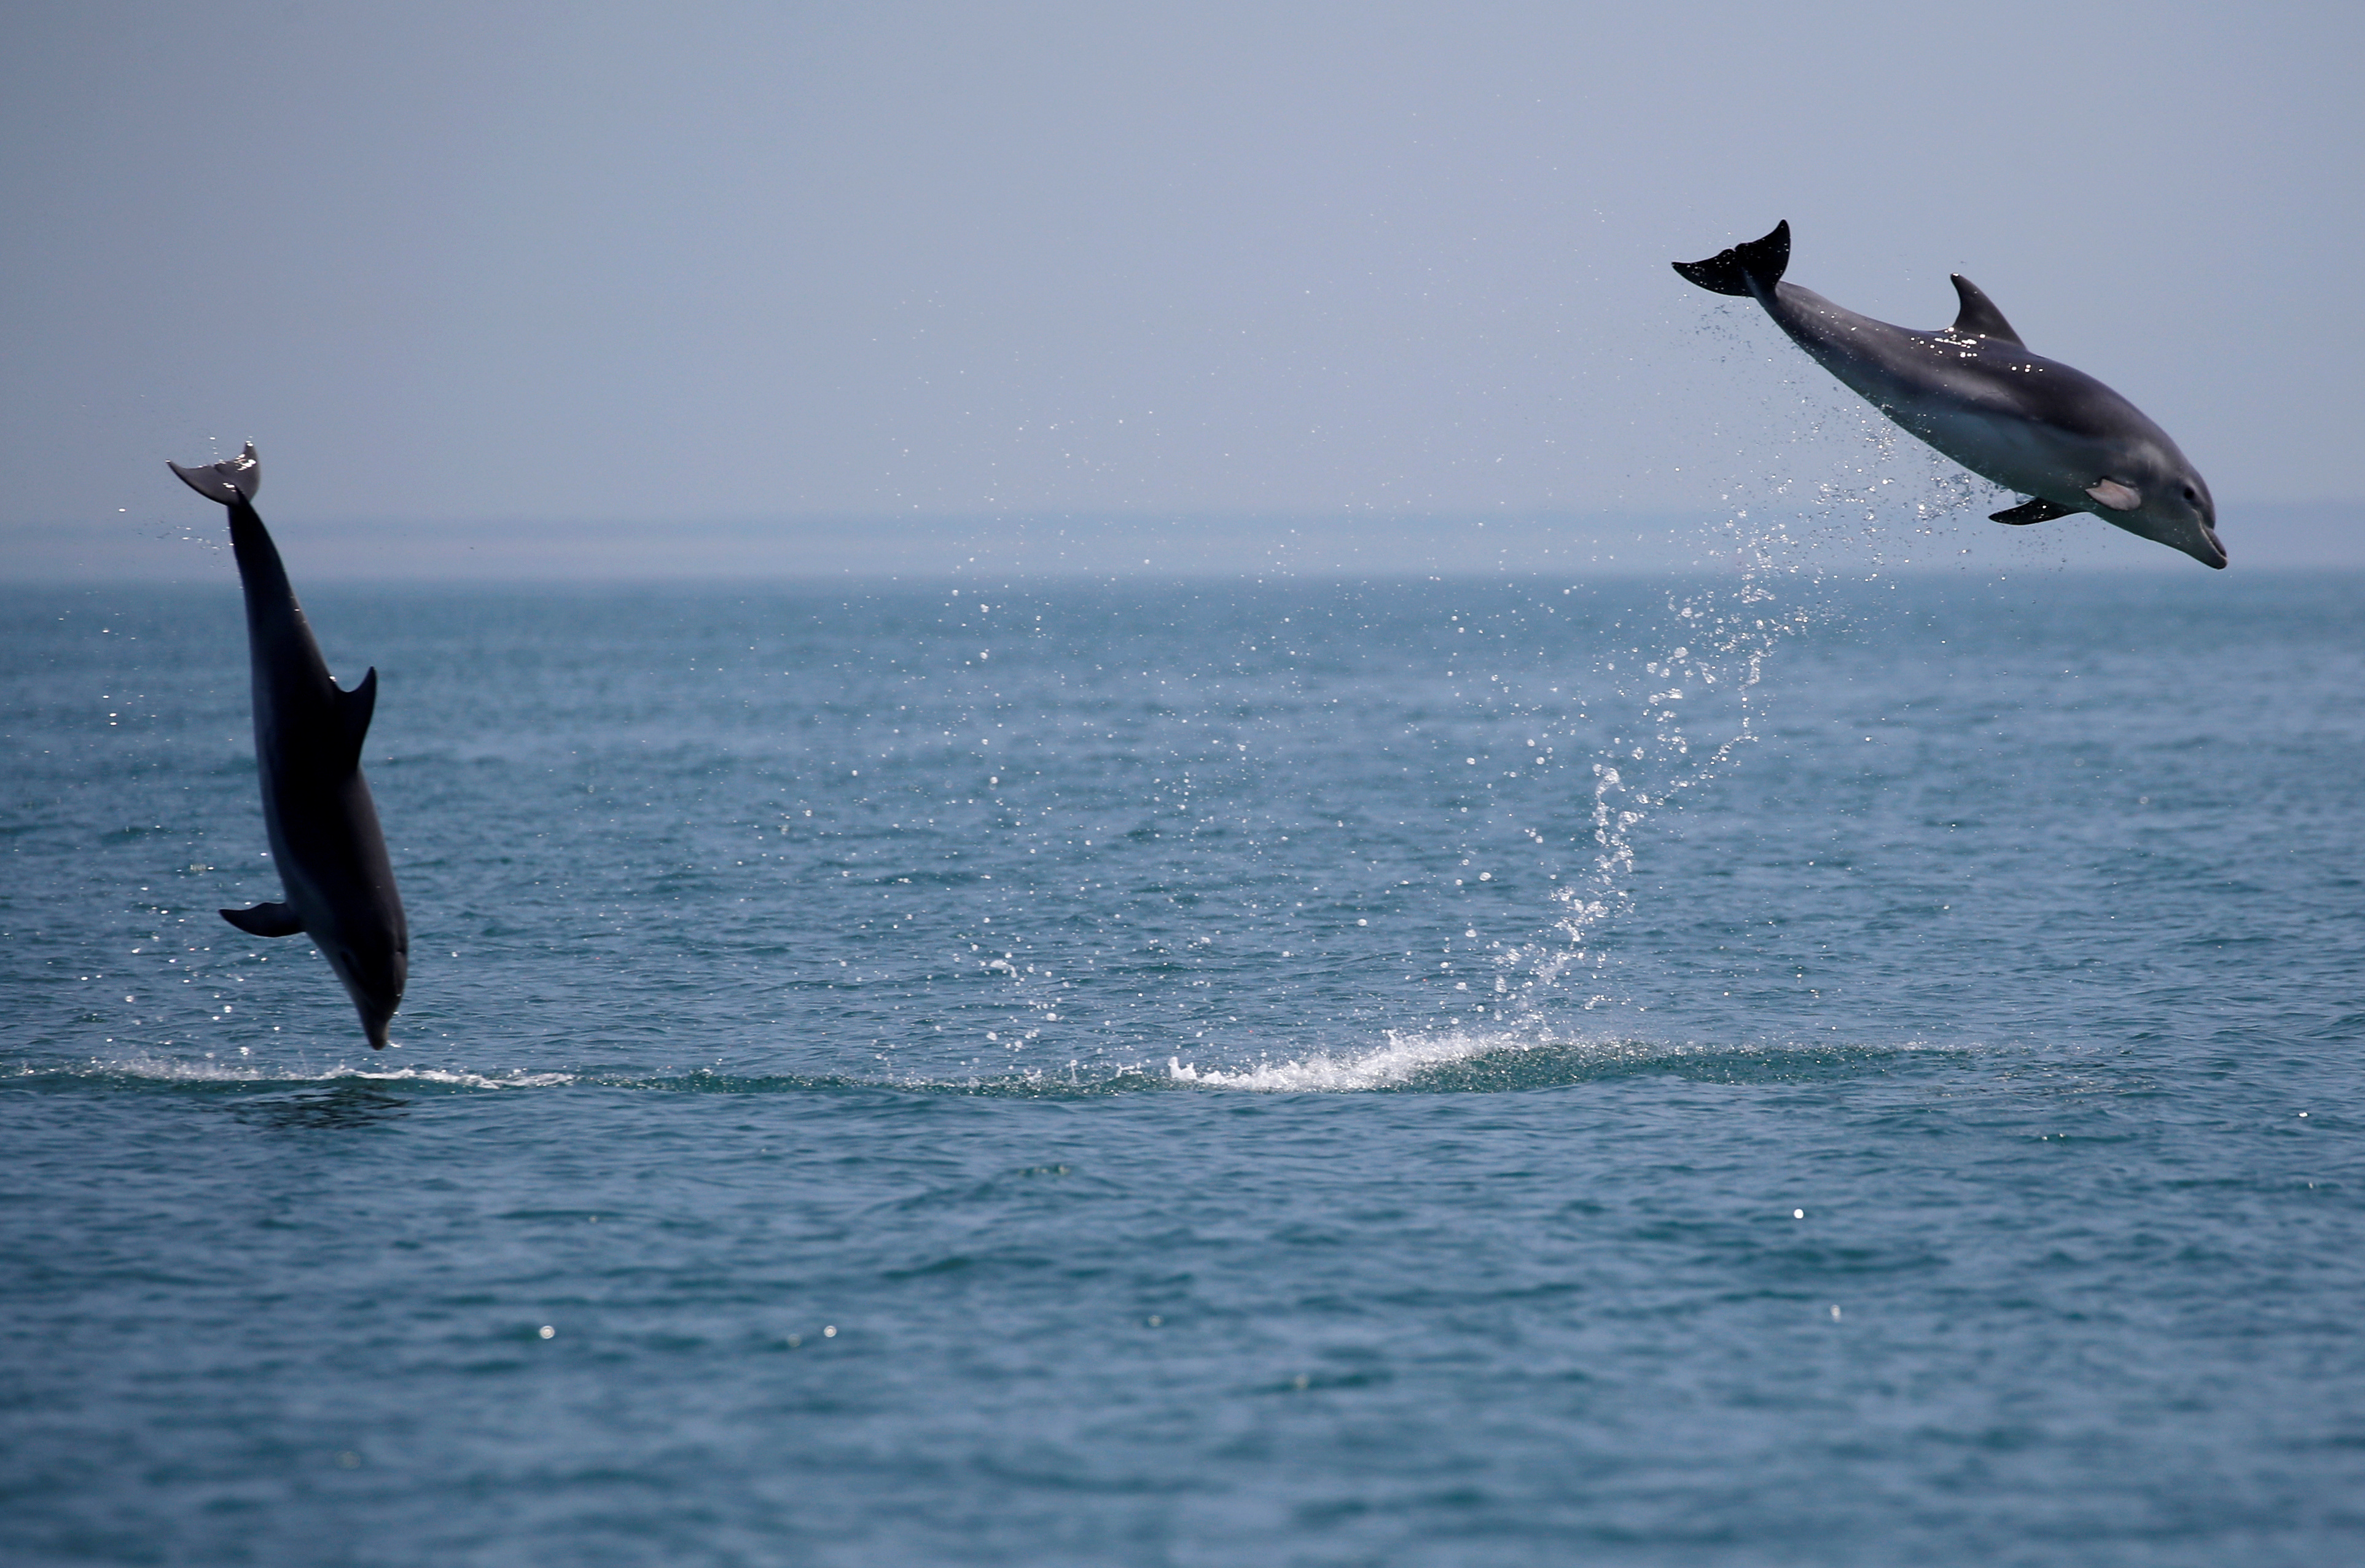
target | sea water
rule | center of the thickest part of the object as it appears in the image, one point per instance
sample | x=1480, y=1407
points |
x=1751, y=1069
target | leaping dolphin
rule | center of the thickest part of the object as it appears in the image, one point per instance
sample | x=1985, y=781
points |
x=307, y=745
x=1977, y=393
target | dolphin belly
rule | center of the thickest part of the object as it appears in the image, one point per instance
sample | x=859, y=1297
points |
x=1931, y=402
x=2017, y=453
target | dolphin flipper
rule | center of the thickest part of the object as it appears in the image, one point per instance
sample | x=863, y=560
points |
x=2039, y=510
x=231, y=481
x=1980, y=317
x=1761, y=262
x=266, y=920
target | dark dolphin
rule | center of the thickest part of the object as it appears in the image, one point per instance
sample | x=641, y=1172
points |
x=1977, y=393
x=308, y=746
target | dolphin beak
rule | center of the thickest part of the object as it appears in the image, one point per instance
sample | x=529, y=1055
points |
x=2209, y=552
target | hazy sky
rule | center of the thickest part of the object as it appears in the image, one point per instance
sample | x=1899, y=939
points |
x=653, y=265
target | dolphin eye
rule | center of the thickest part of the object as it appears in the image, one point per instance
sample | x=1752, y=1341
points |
x=2192, y=494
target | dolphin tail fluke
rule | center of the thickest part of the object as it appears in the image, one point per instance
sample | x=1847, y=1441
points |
x=229, y=482
x=266, y=920
x=1745, y=269
x=2038, y=510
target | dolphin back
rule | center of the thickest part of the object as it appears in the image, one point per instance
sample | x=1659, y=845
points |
x=231, y=481
x=1758, y=262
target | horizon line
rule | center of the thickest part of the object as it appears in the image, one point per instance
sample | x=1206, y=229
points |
x=1201, y=546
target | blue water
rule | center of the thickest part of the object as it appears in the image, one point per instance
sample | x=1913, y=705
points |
x=1771, y=1070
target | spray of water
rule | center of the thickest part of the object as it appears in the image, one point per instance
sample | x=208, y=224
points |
x=1884, y=501
x=1727, y=636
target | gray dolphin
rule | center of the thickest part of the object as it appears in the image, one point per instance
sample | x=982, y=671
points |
x=1977, y=393
x=308, y=746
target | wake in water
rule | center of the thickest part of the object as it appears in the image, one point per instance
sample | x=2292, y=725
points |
x=1454, y=1061
x=1448, y=1061
x=1461, y=1061
x=257, y=1072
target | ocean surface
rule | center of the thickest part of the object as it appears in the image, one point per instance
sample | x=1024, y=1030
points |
x=1772, y=1068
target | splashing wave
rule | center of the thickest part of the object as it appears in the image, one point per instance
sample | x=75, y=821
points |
x=1499, y=1061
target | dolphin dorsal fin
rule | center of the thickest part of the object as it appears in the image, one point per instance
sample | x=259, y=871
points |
x=356, y=708
x=1979, y=318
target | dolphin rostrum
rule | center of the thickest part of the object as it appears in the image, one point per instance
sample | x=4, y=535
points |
x=308, y=747
x=1977, y=393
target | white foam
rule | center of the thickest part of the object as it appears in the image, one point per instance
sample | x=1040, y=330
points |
x=1403, y=1057
x=1509, y=1057
x=181, y=1069
x=465, y=1079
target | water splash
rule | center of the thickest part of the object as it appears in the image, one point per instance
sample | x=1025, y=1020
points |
x=1508, y=1059
x=1714, y=670
x=1885, y=501
x=1403, y=1057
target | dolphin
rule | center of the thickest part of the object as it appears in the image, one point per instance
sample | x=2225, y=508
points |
x=1975, y=392
x=308, y=747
